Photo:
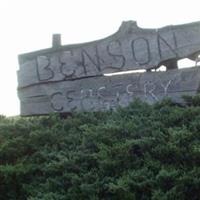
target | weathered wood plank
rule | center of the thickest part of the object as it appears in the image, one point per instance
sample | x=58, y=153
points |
x=130, y=48
x=106, y=92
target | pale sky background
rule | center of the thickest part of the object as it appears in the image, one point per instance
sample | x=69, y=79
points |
x=27, y=25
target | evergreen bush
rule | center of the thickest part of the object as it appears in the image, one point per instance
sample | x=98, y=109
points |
x=141, y=152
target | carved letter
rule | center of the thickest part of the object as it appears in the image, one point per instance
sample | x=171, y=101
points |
x=43, y=65
x=87, y=60
x=117, y=88
x=128, y=89
x=98, y=92
x=165, y=87
x=141, y=51
x=118, y=57
x=163, y=44
x=87, y=93
x=71, y=100
x=67, y=67
x=53, y=105
x=149, y=88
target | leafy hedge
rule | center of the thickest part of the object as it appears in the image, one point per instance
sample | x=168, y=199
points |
x=140, y=152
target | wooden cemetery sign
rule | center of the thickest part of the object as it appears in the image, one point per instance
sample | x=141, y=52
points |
x=71, y=77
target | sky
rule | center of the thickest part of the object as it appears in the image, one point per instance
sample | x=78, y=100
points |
x=28, y=25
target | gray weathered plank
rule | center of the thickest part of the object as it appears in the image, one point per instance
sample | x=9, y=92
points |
x=106, y=92
x=130, y=48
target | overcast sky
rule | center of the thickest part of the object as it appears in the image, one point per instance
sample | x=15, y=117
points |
x=27, y=25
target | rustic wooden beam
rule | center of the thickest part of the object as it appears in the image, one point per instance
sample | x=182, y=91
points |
x=107, y=92
x=130, y=48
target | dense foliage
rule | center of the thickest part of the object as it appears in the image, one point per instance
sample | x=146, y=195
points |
x=140, y=152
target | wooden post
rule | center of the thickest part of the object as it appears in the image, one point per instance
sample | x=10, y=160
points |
x=56, y=40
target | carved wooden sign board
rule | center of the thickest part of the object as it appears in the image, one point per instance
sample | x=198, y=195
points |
x=67, y=78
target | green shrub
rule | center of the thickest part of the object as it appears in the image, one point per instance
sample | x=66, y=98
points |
x=141, y=152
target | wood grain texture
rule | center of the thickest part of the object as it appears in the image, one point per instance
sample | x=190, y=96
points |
x=130, y=48
x=107, y=92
